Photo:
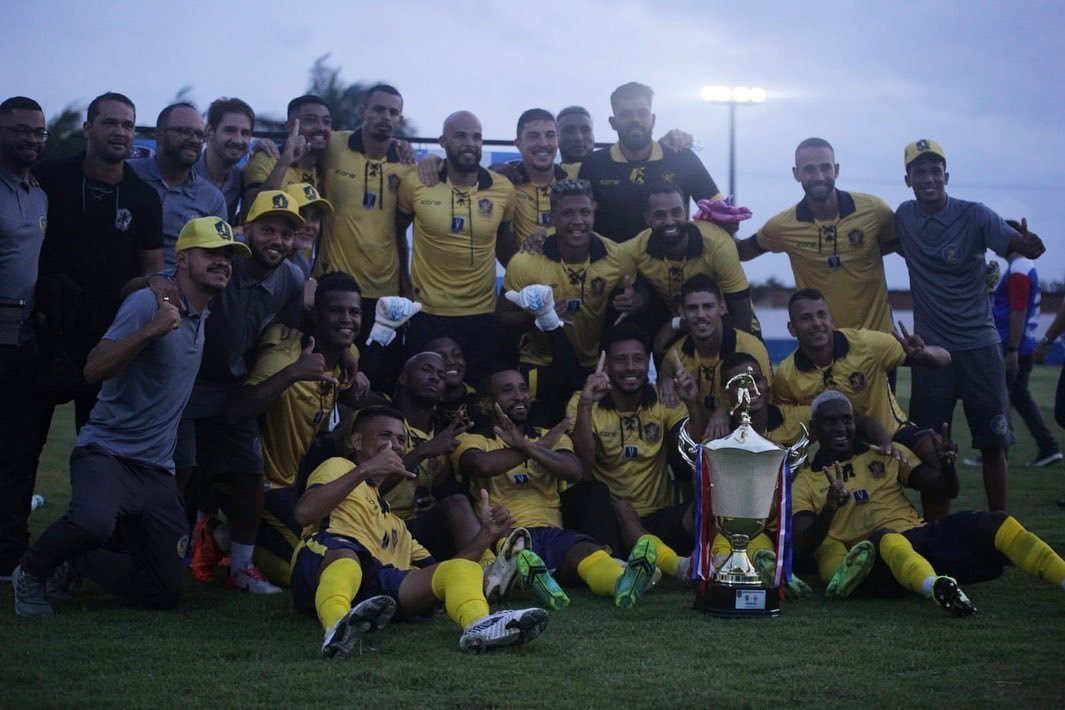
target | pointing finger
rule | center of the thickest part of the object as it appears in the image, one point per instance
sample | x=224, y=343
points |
x=1024, y=225
x=602, y=363
x=310, y=345
x=295, y=129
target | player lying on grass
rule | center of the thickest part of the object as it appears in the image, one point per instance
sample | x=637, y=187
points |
x=853, y=494
x=362, y=554
x=522, y=467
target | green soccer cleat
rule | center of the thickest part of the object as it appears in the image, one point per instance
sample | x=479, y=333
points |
x=951, y=598
x=639, y=571
x=855, y=567
x=765, y=561
x=534, y=574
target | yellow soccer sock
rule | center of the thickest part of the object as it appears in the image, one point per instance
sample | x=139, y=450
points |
x=460, y=585
x=720, y=550
x=600, y=572
x=487, y=558
x=276, y=569
x=1028, y=552
x=667, y=559
x=911, y=570
x=829, y=556
x=337, y=586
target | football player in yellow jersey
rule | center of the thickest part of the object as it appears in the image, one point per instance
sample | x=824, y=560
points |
x=358, y=565
x=521, y=467
x=833, y=239
x=850, y=494
x=709, y=341
x=293, y=388
x=673, y=249
x=624, y=435
x=459, y=399
x=462, y=226
x=580, y=271
x=309, y=124
x=855, y=362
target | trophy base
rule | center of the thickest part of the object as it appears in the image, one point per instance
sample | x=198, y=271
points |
x=737, y=602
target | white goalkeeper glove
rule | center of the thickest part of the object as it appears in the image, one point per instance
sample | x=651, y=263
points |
x=538, y=300
x=391, y=313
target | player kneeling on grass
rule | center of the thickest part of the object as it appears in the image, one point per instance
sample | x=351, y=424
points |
x=522, y=467
x=362, y=554
x=852, y=494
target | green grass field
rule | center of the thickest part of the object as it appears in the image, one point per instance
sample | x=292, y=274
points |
x=225, y=649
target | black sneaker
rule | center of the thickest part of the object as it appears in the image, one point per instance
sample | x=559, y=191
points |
x=60, y=580
x=1045, y=458
x=29, y=594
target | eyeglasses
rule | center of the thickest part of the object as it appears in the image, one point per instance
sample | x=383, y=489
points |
x=24, y=131
x=186, y=132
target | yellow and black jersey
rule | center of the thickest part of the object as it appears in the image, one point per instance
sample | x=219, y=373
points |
x=364, y=516
x=707, y=369
x=860, y=363
x=260, y=165
x=454, y=261
x=585, y=289
x=359, y=238
x=632, y=448
x=876, y=498
x=431, y=473
x=532, y=208
x=841, y=259
x=528, y=491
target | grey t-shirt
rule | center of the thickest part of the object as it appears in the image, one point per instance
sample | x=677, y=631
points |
x=23, y=217
x=945, y=255
x=137, y=412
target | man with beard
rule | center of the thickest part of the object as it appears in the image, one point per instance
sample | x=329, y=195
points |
x=363, y=170
x=265, y=286
x=558, y=300
x=458, y=402
x=462, y=225
x=309, y=125
x=576, y=138
x=522, y=468
x=851, y=493
x=833, y=239
x=23, y=220
x=673, y=249
x=624, y=435
x=620, y=173
x=123, y=493
x=292, y=389
x=230, y=123
x=179, y=138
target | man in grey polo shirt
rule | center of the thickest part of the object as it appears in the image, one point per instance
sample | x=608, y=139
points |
x=944, y=240
x=23, y=218
x=179, y=135
x=123, y=494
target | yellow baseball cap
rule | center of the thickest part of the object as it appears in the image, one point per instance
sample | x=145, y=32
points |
x=209, y=233
x=305, y=194
x=923, y=147
x=275, y=202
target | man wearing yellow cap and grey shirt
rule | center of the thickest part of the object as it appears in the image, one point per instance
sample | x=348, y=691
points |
x=943, y=240
x=122, y=468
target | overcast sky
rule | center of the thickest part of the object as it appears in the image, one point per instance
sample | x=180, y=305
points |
x=981, y=77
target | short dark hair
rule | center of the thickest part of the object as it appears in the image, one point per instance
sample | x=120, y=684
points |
x=383, y=88
x=19, y=103
x=220, y=107
x=306, y=100
x=376, y=410
x=814, y=143
x=94, y=105
x=334, y=281
x=625, y=331
x=164, y=115
x=806, y=294
x=738, y=359
x=533, y=114
x=662, y=187
x=573, y=111
x=699, y=283
x=631, y=90
x=570, y=188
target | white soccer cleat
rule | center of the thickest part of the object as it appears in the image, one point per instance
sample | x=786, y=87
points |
x=250, y=579
x=512, y=627
x=364, y=618
x=499, y=576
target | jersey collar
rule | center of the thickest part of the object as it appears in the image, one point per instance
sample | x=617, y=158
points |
x=657, y=250
x=355, y=143
x=596, y=250
x=728, y=343
x=840, y=348
x=618, y=157
x=822, y=459
x=647, y=398
x=484, y=178
x=846, y=207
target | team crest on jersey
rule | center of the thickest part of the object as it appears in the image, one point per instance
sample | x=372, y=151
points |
x=123, y=218
x=182, y=546
x=521, y=478
x=856, y=237
x=857, y=380
x=484, y=207
x=280, y=202
x=637, y=176
x=652, y=432
x=598, y=286
x=224, y=231
x=393, y=182
x=877, y=469
x=951, y=254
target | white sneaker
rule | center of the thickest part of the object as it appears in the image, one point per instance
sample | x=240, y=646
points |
x=365, y=617
x=250, y=579
x=512, y=627
x=499, y=575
